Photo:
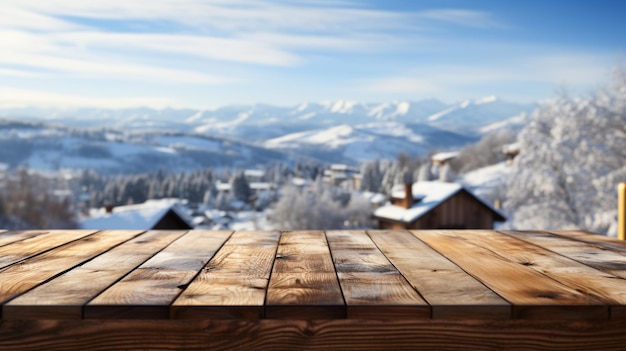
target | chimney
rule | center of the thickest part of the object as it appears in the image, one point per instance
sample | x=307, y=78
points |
x=408, y=195
x=108, y=208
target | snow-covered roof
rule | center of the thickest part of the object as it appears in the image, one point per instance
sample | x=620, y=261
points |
x=444, y=156
x=512, y=148
x=254, y=173
x=300, y=181
x=261, y=186
x=141, y=216
x=374, y=198
x=431, y=193
x=339, y=167
x=222, y=186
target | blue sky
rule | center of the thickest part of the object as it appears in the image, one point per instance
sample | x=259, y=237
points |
x=203, y=54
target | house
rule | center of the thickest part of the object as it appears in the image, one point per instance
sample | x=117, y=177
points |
x=442, y=158
x=436, y=205
x=152, y=214
x=342, y=175
x=511, y=151
x=254, y=175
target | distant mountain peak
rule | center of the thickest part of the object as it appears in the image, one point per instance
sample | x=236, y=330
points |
x=486, y=100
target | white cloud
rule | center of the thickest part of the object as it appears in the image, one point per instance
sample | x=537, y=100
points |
x=576, y=70
x=23, y=19
x=232, y=49
x=400, y=85
x=462, y=17
x=15, y=98
x=104, y=69
x=50, y=53
x=18, y=73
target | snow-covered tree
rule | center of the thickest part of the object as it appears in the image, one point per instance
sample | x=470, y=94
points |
x=319, y=208
x=446, y=174
x=371, y=176
x=572, y=158
x=240, y=188
x=424, y=173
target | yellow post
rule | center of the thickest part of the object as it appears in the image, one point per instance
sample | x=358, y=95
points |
x=621, y=211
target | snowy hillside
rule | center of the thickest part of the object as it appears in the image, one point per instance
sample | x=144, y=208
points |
x=244, y=135
x=49, y=148
x=364, y=142
x=247, y=121
x=477, y=114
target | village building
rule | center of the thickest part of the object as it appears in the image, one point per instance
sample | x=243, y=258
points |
x=342, y=175
x=152, y=214
x=254, y=175
x=442, y=158
x=511, y=151
x=436, y=205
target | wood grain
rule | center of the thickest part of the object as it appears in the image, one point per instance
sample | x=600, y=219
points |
x=372, y=287
x=303, y=251
x=9, y=237
x=32, y=245
x=348, y=335
x=604, y=287
x=304, y=296
x=303, y=284
x=234, y=282
x=149, y=290
x=596, y=240
x=600, y=254
x=19, y=278
x=64, y=296
x=589, y=253
x=532, y=294
x=451, y=293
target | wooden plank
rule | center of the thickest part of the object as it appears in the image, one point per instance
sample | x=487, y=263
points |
x=591, y=254
x=340, y=335
x=64, y=296
x=234, y=282
x=9, y=237
x=372, y=287
x=532, y=294
x=19, y=278
x=148, y=291
x=32, y=245
x=598, y=255
x=304, y=296
x=594, y=239
x=303, y=284
x=303, y=251
x=451, y=292
x=604, y=287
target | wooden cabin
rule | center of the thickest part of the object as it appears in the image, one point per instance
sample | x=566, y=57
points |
x=436, y=205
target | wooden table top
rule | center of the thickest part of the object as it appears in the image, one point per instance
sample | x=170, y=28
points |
x=307, y=275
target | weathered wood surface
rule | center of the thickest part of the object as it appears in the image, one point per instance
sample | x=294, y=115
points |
x=147, y=292
x=351, y=290
x=370, y=283
x=348, y=335
x=450, y=291
x=234, y=283
x=532, y=294
x=304, y=284
x=65, y=296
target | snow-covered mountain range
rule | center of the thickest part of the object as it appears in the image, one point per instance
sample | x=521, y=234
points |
x=138, y=139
